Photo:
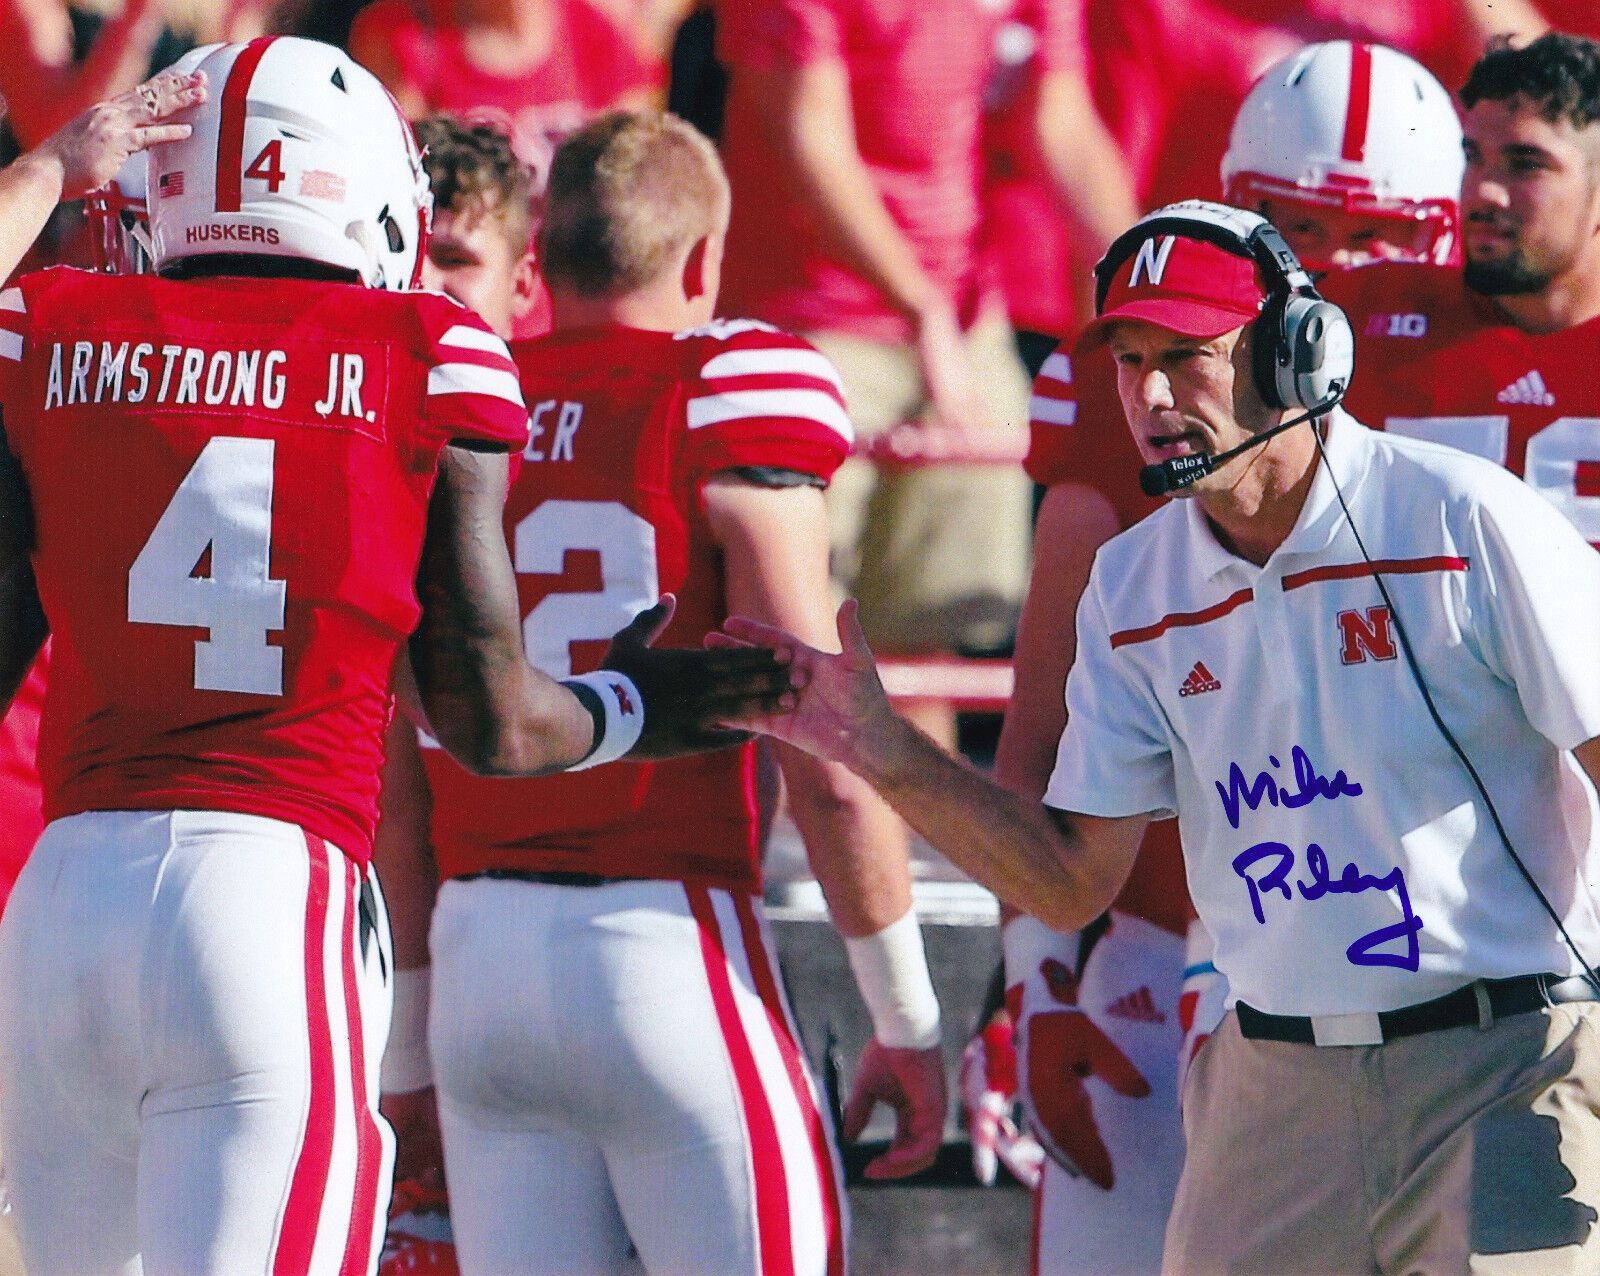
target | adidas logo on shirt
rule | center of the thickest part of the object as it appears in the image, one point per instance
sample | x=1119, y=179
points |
x=1139, y=1006
x=1529, y=391
x=1199, y=681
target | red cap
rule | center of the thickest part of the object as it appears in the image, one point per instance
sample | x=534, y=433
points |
x=1187, y=285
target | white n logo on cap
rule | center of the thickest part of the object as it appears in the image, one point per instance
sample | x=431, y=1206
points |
x=1152, y=260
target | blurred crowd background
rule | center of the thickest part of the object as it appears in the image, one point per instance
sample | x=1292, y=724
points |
x=1165, y=77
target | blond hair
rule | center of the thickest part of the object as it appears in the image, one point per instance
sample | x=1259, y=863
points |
x=628, y=193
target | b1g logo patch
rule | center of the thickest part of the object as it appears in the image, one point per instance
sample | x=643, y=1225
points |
x=1366, y=635
x=1412, y=325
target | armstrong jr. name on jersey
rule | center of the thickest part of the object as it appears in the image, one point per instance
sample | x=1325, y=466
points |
x=172, y=375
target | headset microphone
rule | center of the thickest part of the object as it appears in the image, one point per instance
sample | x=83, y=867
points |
x=1180, y=471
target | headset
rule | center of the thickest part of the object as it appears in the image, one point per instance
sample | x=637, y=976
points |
x=1302, y=349
x=1303, y=354
x=1302, y=346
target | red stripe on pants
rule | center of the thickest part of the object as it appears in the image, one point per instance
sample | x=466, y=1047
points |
x=767, y=986
x=369, y=1144
x=303, y=1210
x=774, y=1243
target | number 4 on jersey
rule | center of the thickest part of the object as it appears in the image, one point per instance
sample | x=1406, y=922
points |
x=224, y=506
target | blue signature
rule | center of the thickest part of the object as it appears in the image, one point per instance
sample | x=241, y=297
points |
x=1265, y=787
x=1350, y=882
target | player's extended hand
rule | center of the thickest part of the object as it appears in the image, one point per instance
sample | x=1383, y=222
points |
x=91, y=148
x=1058, y=1046
x=841, y=703
x=912, y=1083
x=689, y=693
x=989, y=1094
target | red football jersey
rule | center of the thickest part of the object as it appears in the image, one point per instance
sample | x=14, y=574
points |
x=1437, y=361
x=605, y=516
x=230, y=481
x=1080, y=435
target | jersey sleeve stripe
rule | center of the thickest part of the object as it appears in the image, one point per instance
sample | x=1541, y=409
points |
x=1058, y=367
x=773, y=361
x=11, y=299
x=463, y=337
x=810, y=405
x=466, y=378
x=10, y=345
x=1053, y=411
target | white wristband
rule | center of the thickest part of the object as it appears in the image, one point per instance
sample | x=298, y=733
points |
x=891, y=970
x=624, y=708
x=406, y=1065
x=1027, y=941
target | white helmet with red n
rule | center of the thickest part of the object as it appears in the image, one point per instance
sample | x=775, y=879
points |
x=1355, y=131
x=298, y=151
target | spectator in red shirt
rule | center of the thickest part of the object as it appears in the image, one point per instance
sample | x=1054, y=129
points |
x=539, y=68
x=852, y=141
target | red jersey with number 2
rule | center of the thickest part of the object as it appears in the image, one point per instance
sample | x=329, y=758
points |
x=605, y=516
x=230, y=481
x=1437, y=361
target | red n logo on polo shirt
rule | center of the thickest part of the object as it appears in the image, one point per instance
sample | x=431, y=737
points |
x=1366, y=634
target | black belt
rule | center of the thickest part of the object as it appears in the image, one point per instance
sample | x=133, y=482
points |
x=1477, y=1005
x=540, y=879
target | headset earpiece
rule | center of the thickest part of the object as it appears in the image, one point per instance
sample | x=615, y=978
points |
x=1315, y=351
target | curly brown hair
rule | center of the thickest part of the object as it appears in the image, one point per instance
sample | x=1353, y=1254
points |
x=474, y=164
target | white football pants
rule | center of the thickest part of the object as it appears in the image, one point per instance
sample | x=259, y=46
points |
x=1130, y=989
x=193, y=1005
x=616, y=1063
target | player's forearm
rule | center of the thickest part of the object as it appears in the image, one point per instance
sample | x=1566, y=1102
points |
x=30, y=188
x=489, y=708
x=1033, y=859
x=855, y=843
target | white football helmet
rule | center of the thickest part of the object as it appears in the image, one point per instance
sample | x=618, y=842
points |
x=1357, y=130
x=298, y=151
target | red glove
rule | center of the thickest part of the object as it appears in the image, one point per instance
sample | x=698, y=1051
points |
x=912, y=1083
x=1058, y=1045
x=989, y=1095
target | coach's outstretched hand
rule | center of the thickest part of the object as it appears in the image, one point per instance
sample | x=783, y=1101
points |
x=842, y=714
x=688, y=694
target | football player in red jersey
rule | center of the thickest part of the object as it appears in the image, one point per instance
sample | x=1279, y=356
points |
x=1353, y=149
x=648, y=1087
x=306, y=471
x=82, y=157
x=1496, y=357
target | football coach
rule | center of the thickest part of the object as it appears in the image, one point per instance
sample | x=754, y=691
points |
x=1361, y=670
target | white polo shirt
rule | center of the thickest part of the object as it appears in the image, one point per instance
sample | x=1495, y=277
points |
x=1335, y=846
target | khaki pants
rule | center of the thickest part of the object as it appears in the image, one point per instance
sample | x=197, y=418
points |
x=937, y=556
x=1462, y=1151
